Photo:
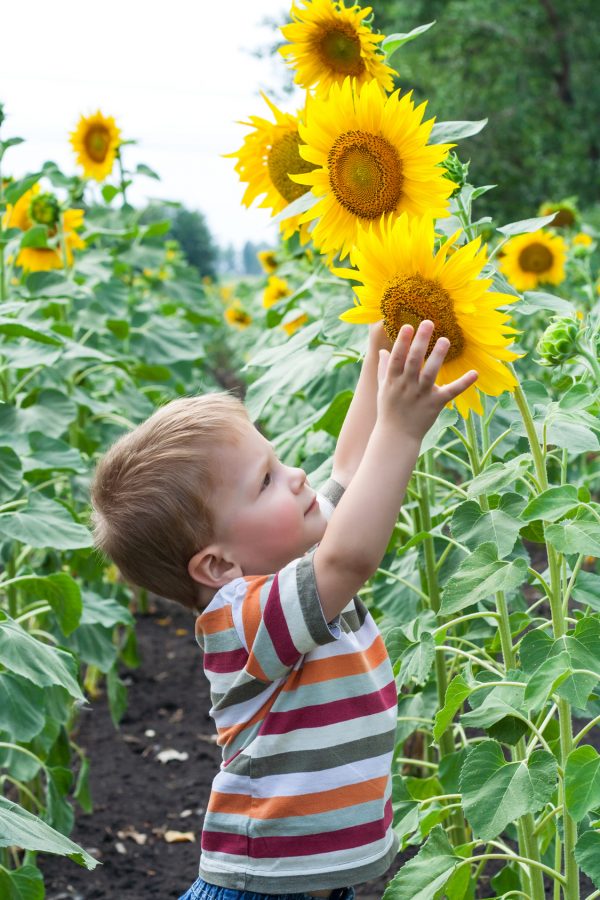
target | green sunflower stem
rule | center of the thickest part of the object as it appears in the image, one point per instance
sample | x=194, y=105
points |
x=123, y=180
x=559, y=625
x=2, y=261
x=446, y=742
x=528, y=843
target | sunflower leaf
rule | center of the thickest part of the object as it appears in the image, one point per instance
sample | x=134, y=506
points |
x=524, y=226
x=443, y=132
x=394, y=41
x=302, y=204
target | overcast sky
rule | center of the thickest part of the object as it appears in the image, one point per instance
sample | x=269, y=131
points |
x=176, y=75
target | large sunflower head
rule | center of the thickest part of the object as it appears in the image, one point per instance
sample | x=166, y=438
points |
x=532, y=259
x=265, y=161
x=95, y=141
x=404, y=281
x=328, y=42
x=371, y=157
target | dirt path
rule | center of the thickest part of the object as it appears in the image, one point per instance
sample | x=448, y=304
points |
x=138, y=800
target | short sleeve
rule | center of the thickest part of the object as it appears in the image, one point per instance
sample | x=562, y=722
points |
x=280, y=619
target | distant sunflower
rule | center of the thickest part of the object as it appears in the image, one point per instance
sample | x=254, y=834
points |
x=532, y=259
x=268, y=260
x=582, y=239
x=266, y=159
x=404, y=281
x=276, y=289
x=329, y=42
x=236, y=315
x=96, y=140
x=33, y=208
x=566, y=212
x=371, y=157
x=292, y=325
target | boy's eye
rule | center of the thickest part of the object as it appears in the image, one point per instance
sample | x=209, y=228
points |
x=266, y=481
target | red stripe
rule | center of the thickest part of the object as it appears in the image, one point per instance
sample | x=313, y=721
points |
x=226, y=661
x=277, y=628
x=299, y=844
x=329, y=713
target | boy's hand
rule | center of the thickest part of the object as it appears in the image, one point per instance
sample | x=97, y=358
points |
x=408, y=397
x=378, y=339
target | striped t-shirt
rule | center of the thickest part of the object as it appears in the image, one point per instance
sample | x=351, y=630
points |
x=306, y=716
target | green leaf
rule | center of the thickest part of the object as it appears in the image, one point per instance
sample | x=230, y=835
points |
x=406, y=810
x=394, y=41
x=580, y=650
x=26, y=883
x=582, y=781
x=82, y=789
x=10, y=474
x=495, y=792
x=156, y=229
x=59, y=812
x=35, y=333
x=52, y=413
x=525, y=226
x=302, y=204
x=499, y=475
x=22, y=829
x=587, y=855
x=142, y=169
x=171, y=343
x=498, y=703
x=587, y=590
x=536, y=301
x=15, y=190
x=62, y=593
x=37, y=662
x=104, y=611
x=52, y=454
x=333, y=418
x=479, y=576
x=552, y=504
x=44, y=523
x=36, y=236
x=21, y=707
x=578, y=535
x=94, y=645
x=449, y=132
x=473, y=526
x=427, y=873
x=117, y=696
x=456, y=693
x=109, y=192
x=547, y=678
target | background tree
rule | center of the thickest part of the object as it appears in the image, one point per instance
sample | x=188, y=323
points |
x=531, y=68
x=189, y=228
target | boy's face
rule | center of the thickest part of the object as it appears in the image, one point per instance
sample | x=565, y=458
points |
x=266, y=514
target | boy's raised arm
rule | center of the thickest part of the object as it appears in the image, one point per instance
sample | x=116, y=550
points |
x=362, y=412
x=408, y=403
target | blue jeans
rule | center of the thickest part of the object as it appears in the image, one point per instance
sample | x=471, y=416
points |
x=201, y=890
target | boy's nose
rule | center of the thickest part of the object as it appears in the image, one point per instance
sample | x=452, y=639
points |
x=298, y=477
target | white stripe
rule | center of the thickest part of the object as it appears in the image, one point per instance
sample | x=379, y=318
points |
x=329, y=735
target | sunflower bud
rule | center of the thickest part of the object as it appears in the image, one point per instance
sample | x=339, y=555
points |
x=456, y=170
x=559, y=341
x=44, y=209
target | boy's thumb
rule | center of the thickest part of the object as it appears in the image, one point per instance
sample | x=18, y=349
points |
x=384, y=358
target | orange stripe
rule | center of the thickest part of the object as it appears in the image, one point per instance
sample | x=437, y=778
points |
x=302, y=805
x=342, y=666
x=251, y=611
x=217, y=620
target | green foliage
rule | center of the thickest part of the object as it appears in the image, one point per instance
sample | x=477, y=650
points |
x=529, y=68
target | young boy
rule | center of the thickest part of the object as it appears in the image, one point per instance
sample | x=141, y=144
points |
x=195, y=505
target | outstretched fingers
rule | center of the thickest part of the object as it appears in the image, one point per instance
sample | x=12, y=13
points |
x=400, y=350
x=454, y=388
x=418, y=349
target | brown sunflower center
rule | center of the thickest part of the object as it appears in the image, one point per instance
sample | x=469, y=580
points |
x=408, y=299
x=536, y=258
x=240, y=316
x=563, y=218
x=339, y=49
x=97, y=142
x=365, y=173
x=284, y=160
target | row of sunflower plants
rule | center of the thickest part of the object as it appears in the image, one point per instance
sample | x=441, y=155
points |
x=488, y=597
x=101, y=320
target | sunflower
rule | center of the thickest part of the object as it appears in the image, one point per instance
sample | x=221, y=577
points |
x=236, y=315
x=268, y=260
x=566, y=211
x=265, y=160
x=292, y=325
x=33, y=208
x=582, y=239
x=96, y=140
x=276, y=289
x=534, y=258
x=329, y=41
x=404, y=281
x=372, y=157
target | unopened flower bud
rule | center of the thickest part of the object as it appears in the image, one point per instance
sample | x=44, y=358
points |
x=44, y=210
x=559, y=341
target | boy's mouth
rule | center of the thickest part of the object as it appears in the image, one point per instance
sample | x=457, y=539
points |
x=312, y=505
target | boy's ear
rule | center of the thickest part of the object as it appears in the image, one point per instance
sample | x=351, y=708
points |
x=211, y=568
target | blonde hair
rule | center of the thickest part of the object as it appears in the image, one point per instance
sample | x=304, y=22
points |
x=151, y=493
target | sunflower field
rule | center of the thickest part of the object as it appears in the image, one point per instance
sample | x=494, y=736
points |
x=488, y=596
